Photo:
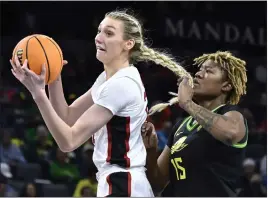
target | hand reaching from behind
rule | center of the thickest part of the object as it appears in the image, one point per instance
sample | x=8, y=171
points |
x=149, y=136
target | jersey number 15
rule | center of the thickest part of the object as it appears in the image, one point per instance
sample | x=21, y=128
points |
x=180, y=171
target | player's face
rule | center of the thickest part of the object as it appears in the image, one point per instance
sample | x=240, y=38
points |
x=209, y=81
x=109, y=40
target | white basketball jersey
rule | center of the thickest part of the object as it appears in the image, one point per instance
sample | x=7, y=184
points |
x=119, y=145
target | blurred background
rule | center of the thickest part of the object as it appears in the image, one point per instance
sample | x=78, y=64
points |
x=32, y=164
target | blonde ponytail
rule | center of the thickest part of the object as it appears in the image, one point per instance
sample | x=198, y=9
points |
x=148, y=54
x=140, y=52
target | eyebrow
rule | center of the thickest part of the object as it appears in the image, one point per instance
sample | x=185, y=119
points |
x=109, y=26
x=207, y=67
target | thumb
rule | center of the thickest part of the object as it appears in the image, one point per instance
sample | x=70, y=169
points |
x=43, y=71
x=65, y=62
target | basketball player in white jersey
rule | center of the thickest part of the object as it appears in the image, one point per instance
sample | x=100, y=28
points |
x=111, y=112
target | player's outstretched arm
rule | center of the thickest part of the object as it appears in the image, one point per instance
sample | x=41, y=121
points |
x=71, y=113
x=98, y=115
x=67, y=137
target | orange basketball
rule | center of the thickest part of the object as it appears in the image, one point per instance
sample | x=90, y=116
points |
x=39, y=49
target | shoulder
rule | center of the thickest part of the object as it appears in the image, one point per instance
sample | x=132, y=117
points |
x=230, y=108
x=101, y=77
x=117, y=94
x=233, y=111
x=240, y=129
x=124, y=84
x=99, y=81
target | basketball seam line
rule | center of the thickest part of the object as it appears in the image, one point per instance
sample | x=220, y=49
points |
x=57, y=49
x=28, y=65
x=46, y=58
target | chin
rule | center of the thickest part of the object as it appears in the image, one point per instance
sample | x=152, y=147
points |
x=100, y=58
x=197, y=95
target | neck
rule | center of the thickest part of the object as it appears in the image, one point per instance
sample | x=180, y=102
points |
x=114, y=66
x=211, y=104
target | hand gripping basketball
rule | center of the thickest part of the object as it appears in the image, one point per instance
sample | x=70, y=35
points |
x=32, y=81
x=39, y=49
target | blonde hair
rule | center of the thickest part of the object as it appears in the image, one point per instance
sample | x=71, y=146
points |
x=236, y=70
x=141, y=52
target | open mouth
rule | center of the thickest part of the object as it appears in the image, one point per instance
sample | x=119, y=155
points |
x=101, y=49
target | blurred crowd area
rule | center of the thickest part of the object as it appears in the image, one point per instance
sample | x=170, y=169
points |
x=31, y=162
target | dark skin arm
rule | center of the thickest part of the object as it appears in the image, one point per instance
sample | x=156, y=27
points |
x=228, y=128
x=157, y=167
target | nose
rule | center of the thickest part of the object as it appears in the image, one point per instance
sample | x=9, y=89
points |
x=199, y=74
x=98, y=39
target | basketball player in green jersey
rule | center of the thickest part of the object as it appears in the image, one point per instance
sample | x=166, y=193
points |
x=204, y=152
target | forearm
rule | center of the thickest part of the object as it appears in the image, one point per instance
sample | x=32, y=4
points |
x=57, y=99
x=153, y=172
x=219, y=126
x=61, y=132
x=69, y=113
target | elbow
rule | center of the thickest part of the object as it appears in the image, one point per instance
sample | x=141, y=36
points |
x=231, y=137
x=234, y=133
x=67, y=145
x=66, y=149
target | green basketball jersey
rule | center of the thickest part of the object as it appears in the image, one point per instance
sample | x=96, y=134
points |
x=200, y=165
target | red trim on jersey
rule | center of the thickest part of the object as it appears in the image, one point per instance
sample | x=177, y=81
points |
x=129, y=184
x=127, y=141
x=109, y=149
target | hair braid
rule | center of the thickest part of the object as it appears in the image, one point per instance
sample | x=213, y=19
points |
x=140, y=52
x=148, y=54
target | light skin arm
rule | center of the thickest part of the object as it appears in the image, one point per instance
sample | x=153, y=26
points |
x=68, y=137
x=67, y=113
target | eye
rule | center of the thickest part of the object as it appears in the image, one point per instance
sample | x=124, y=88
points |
x=109, y=33
x=98, y=31
x=209, y=71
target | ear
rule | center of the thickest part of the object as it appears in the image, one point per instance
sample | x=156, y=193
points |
x=129, y=44
x=226, y=86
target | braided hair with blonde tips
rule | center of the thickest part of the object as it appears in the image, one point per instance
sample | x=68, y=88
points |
x=236, y=71
x=140, y=52
x=148, y=54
